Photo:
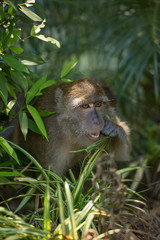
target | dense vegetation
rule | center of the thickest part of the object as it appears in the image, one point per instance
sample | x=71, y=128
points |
x=42, y=42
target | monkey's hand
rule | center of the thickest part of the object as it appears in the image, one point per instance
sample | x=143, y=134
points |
x=119, y=134
x=113, y=130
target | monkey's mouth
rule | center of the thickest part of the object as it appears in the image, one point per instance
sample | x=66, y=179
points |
x=93, y=137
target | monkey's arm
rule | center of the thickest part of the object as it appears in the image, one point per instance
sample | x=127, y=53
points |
x=120, y=140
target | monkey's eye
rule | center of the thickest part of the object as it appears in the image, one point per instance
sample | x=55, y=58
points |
x=85, y=106
x=98, y=104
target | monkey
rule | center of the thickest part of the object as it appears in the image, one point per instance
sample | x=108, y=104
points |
x=82, y=116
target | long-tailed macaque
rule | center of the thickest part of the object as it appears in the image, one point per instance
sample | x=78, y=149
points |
x=82, y=115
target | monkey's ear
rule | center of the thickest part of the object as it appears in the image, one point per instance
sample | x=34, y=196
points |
x=110, y=95
x=108, y=91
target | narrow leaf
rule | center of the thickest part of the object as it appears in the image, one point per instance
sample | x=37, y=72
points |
x=46, y=212
x=32, y=159
x=23, y=121
x=3, y=86
x=14, y=63
x=45, y=114
x=32, y=60
x=156, y=76
x=47, y=84
x=19, y=78
x=3, y=97
x=38, y=120
x=17, y=50
x=35, y=89
x=32, y=126
x=68, y=68
x=10, y=106
x=4, y=144
x=30, y=14
x=61, y=209
x=71, y=211
x=29, y=194
x=48, y=39
x=10, y=174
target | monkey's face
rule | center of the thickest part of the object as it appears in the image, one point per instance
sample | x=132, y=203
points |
x=84, y=106
x=91, y=119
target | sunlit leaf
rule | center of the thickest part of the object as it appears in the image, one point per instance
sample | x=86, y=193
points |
x=4, y=144
x=10, y=106
x=23, y=121
x=36, y=29
x=46, y=212
x=30, y=14
x=71, y=211
x=68, y=68
x=48, y=39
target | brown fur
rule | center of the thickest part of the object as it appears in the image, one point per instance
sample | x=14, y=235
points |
x=70, y=124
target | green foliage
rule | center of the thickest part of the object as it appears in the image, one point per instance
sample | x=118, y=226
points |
x=114, y=40
x=4, y=144
x=15, y=75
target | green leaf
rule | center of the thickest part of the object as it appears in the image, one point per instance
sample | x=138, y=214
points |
x=36, y=29
x=32, y=159
x=3, y=97
x=35, y=89
x=71, y=211
x=17, y=50
x=11, y=91
x=48, y=39
x=10, y=174
x=4, y=144
x=23, y=121
x=39, y=9
x=32, y=60
x=45, y=114
x=14, y=63
x=3, y=87
x=68, y=68
x=32, y=126
x=156, y=76
x=38, y=120
x=47, y=84
x=14, y=36
x=46, y=212
x=10, y=106
x=7, y=35
x=20, y=78
x=61, y=209
x=30, y=14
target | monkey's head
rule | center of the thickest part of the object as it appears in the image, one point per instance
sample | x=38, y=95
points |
x=82, y=105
